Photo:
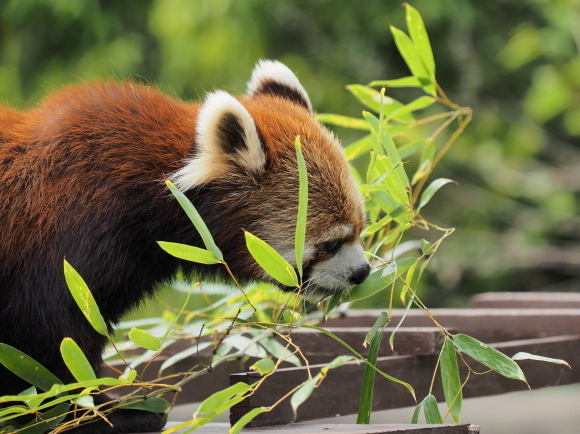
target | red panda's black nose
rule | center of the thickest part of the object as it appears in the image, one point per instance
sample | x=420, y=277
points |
x=360, y=274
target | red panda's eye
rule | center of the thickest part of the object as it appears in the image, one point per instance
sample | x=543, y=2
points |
x=333, y=246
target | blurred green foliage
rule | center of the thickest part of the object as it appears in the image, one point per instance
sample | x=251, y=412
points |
x=514, y=62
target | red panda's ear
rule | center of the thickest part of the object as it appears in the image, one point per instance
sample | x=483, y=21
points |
x=227, y=142
x=274, y=78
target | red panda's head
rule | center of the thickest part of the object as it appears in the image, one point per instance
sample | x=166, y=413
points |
x=245, y=154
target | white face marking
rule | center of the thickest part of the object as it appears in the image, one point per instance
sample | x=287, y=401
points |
x=334, y=273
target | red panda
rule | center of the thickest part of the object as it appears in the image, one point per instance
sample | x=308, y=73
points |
x=82, y=178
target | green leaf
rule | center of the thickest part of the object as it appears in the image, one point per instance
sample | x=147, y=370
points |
x=27, y=368
x=410, y=148
x=380, y=322
x=76, y=361
x=128, y=377
x=361, y=146
x=431, y=190
x=413, y=60
x=377, y=282
x=247, y=418
x=279, y=351
x=84, y=299
x=189, y=253
x=343, y=121
x=213, y=402
x=153, y=404
x=528, y=356
x=304, y=392
x=431, y=410
x=451, y=380
x=196, y=220
x=426, y=163
x=379, y=224
x=368, y=384
x=291, y=316
x=263, y=366
x=417, y=412
x=47, y=420
x=398, y=82
x=333, y=302
x=144, y=339
x=271, y=261
x=85, y=401
x=352, y=350
x=488, y=356
x=418, y=104
x=337, y=361
x=420, y=38
x=371, y=99
x=300, y=234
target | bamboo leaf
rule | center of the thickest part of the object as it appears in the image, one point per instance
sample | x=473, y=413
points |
x=377, y=282
x=360, y=147
x=196, y=220
x=416, y=105
x=431, y=190
x=271, y=261
x=352, y=350
x=343, y=121
x=398, y=82
x=300, y=234
x=420, y=38
x=27, y=368
x=380, y=322
x=488, y=356
x=214, y=401
x=84, y=299
x=189, y=253
x=247, y=418
x=451, y=380
x=48, y=420
x=263, y=366
x=76, y=361
x=371, y=99
x=431, y=410
x=145, y=339
x=410, y=148
x=368, y=384
x=304, y=392
x=528, y=356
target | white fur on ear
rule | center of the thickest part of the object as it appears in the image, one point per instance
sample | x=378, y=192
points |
x=273, y=77
x=226, y=134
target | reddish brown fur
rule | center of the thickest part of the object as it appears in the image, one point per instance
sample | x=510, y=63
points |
x=82, y=177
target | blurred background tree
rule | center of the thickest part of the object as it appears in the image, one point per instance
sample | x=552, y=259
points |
x=516, y=63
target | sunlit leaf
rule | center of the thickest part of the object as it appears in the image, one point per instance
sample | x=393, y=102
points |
x=361, y=146
x=380, y=322
x=177, y=357
x=488, y=356
x=371, y=99
x=145, y=339
x=300, y=234
x=84, y=299
x=451, y=380
x=85, y=401
x=413, y=60
x=76, y=361
x=343, y=121
x=291, y=316
x=418, y=104
x=410, y=148
x=397, y=82
x=196, y=220
x=263, y=366
x=420, y=38
x=48, y=420
x=271, y=261
x=189, y=253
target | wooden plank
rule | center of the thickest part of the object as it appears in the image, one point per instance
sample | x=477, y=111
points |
x=343, y=383
x=487, y=325
x=220, y=428
x=408, y=341
x=541, y=300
